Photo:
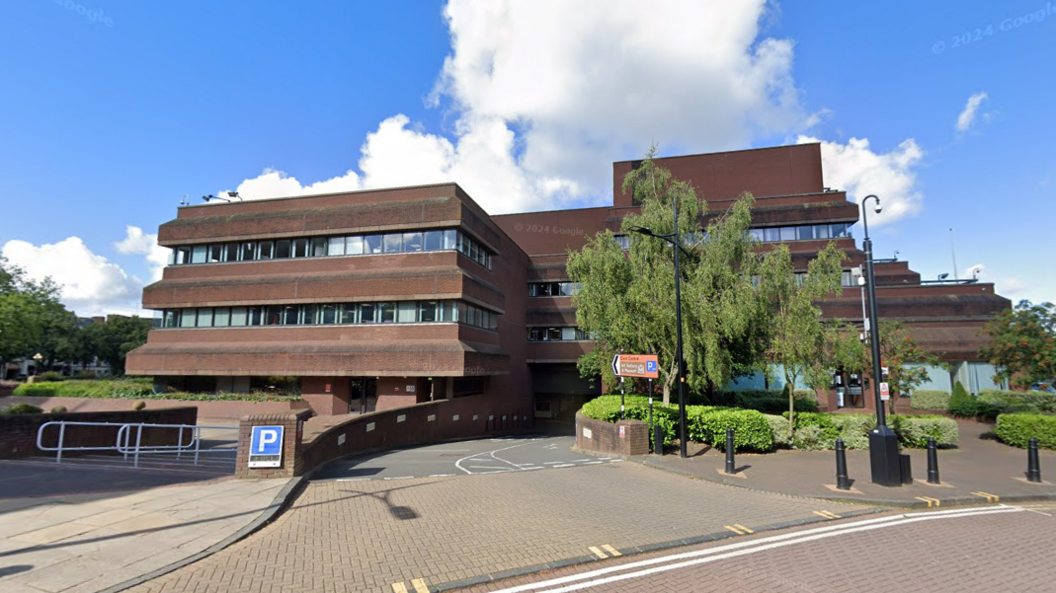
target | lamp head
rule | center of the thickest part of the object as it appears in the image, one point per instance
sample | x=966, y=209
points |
x=642, y=231
x=879, y=208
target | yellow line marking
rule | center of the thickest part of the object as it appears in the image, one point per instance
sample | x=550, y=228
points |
x=419, y=586
x=734, y=529
x=989, y=497
x=929, y=500
x=597, y=552
x=742, y=528
x=611, y=550
x=827, y=514
x=399, y=587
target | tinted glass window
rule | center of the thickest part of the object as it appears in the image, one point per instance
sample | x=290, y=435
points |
x=283, y=248
x=393, y=242
x=198, y=254
x=238, y=316
x=336, y=246
x=434, y=240
x=222, y=317
x=372, y=244
x=300, y=248
x=387, y=312
x=366, y=313
x=248, y=251
x=267, y=248
x=412, y=242
x=354, y=246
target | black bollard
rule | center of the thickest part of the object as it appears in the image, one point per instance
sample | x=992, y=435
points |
x=933, y=462
x=658, y=440
x=1033, y=463
x=730, y=465
x=842, y=481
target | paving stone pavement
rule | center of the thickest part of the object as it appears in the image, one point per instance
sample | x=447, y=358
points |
x=366, y=535
x=999, y=552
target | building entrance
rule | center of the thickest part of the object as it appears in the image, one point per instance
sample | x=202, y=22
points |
x=362, y=396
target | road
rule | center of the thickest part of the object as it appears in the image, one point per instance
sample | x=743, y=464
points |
x=993, y=548
x=480, y=457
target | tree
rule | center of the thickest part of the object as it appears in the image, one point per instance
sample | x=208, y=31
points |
x=1023, y=344
x=797, y=335
x=31, y=316
x=905, y=359
x=628, y=299
x=116, y=337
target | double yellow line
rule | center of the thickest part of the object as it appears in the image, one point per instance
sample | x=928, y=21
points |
x=929, y=500
x=738, y=529
x=418, y=585
x=601, y=552
x=827, y=514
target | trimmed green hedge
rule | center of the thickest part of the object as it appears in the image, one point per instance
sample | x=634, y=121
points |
x=1018, y=429
x=21, y=409
x=132, y=389
x=929, y=400
x=767, y=402
x=914, y=431
x=1016, y=402
x=964, y=405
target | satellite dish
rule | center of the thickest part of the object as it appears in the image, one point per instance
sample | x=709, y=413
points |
x=943, y=276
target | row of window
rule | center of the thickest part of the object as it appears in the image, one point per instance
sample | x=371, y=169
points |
x=409, y=242
x=807, y=232
x=333, y=314
x=556, y=334
x=546, y=289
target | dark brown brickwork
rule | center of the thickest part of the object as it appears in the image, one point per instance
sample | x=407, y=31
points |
x=18, y=432
x=626, y=437
x=293, y=428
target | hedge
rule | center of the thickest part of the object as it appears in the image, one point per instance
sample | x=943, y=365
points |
x=767, y=402
x=1014, y=402
x=964, y=405
x=21, y=409
x=818, y=432
x=1018, y=429
x=131, y=389
x=929, y=400
x=914, y=431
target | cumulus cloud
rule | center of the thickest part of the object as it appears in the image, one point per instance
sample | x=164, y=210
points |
x=543, y=99
x=91, y=285
x=857, y=169
x=967, y=118
x=138, y=242
x=1007, y=286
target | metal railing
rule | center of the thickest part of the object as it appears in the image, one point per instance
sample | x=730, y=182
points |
x=127, y=446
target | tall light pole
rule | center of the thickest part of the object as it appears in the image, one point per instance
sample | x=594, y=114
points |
x=883, y=444
x=675, y=240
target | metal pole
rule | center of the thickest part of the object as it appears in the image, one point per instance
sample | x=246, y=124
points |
x=933, y=462
x=139, y=440
x=953, y=254
x=730, y=465
x=842, y=481
x=678, y=334
x=62, y=437
x=622, y=416
x=1033, y=463
x=874, y=324
x=650, y=404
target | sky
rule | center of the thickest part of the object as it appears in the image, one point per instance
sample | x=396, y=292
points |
x=114, y=112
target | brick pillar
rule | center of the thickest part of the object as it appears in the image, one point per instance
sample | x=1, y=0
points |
x=293, y=428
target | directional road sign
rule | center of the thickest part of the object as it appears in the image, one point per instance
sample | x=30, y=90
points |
x=636, y=365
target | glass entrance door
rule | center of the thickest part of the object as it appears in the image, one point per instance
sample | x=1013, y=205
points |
x=363, y=396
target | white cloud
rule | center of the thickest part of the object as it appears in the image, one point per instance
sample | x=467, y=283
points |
x=855, y=168
x=967, y=118
x=90, y=284
x=138, y=242
x=1007, y=286
x=545, y=98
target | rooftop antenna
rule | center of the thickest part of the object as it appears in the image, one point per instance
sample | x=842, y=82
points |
x=185, y=201
x=953, y=254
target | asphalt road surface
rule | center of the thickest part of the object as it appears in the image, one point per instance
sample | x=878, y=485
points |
x=485, y=456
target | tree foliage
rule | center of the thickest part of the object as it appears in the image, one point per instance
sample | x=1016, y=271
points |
x=1023, y=344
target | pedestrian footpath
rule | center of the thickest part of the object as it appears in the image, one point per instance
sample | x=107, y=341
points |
x=979, y=470
x=81, y=543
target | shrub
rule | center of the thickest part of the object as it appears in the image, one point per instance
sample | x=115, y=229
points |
x=1029, y=402
x=1018, y=429
x=812, y=438
x=854, y=429
x=930, y=400
x=139, y=406
x=751, y=431
x=963, y=405
x=822, y=430
x=50, y=376
x=607, y=408
x=137, y=389
x=779, y=431
x=22, y=409
x=914, y=431
x=767, y=402
x=59, y=410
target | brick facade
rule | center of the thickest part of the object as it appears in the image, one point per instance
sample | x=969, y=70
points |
x=626, y=437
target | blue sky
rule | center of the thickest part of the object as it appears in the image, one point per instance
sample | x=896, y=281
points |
x=112, y=112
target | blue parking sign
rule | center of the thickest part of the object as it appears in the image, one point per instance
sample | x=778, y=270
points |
x=265, y=446
x=650, y=366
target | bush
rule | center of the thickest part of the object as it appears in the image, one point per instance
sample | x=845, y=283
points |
x=1028, y=402
x=1018, y=429
x=854, y=429
x=914, y=431
x=58, y=410
x=963, y=405
x=820, y=431
x=137, y=389
x=779, y=430
x=50, y=376
x=767, y=402
x=139, y=406
x=812, y=437
x=21, y=409
x=607, y=408
x=930, y=400
x=708, y=425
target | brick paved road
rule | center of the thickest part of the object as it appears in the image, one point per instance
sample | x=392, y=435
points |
x=1010, y=551
x=365, y=536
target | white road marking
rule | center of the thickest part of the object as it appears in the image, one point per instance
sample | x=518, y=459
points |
x=352, y=479
x=458, y=463
x=531, y=468
x=505, y=469
x=593, y=462
x=687, y=559
x=564, y=465
x=553, y=462
x=399, y=478
x=441, y=475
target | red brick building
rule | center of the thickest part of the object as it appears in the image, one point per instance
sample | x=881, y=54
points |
x=382, y=298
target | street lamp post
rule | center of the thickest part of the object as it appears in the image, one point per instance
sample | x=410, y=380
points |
x=883, y=444
x=675, y=240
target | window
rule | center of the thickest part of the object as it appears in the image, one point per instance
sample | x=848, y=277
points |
x=239, y=316
x=755, y=234
x=372, y=244
x=319, y=246
x=367, y=313
x=772, y=234
x=788, y=233
x=624, y=241
x=171, y=318
x=282, y=248
x=822, y=231
x=310, y=315
x=412, y=242
x=336, y=246
x=354, y=245
x=805, y=233
x=347, y=313
x=327, y=314
x=387, y=312
x=188, y=318
x=198, y=253
x=408, y=312
x=427, y=312
x=222, y=317
x=450, y=309
x=450, y=239
x=172, y=257
x=434, y=240
x=300, y=248
x=248, y=251
x=392, y=242
x=216, y=253
x=291, y=315
x=256, y=316
x=840, y=230
x=205, y=317
x=273, y=315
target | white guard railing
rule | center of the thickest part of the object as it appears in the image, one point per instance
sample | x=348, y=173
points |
x=127, y=445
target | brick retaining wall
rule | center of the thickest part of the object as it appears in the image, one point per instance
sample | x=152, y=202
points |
x=220, y=410
x=18, y=432
x=626, y=437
